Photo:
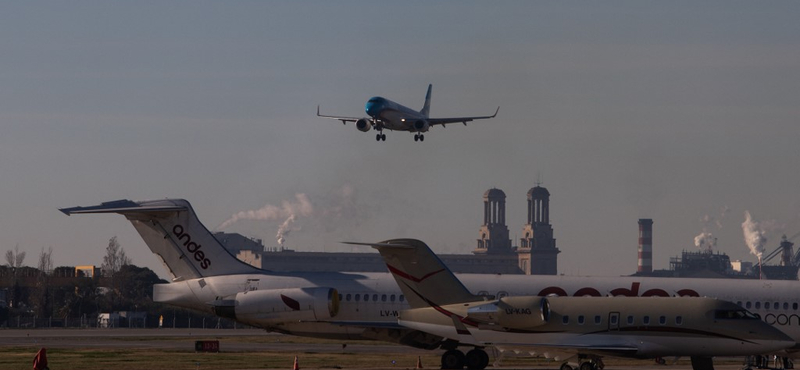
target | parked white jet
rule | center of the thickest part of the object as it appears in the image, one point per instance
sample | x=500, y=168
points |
x=569, y=327
x=206, y=277
x=386, y=114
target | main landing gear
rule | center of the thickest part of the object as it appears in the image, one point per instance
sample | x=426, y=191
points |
x=419, y=137
x=380, y=136
x=475, y=359
x=586, y=363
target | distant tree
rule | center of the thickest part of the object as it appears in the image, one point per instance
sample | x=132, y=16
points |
x=15, y=258
x=115, y=258
x=46, y=261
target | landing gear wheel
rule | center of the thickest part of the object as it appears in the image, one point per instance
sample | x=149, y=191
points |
x=416, y=137
x=453, y=359
x=383, y=137
x=702, y=363
x=565, y=366
x=477, y=359
x=588, y=365
x=421, y=137
x=377, y=137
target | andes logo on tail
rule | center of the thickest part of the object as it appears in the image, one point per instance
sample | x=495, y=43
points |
x=191, y=246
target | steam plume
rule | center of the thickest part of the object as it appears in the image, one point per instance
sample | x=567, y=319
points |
x=270, y=212
x=754, y=235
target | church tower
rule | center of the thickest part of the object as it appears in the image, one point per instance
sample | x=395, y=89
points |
x=537, y=251
x=494, y=232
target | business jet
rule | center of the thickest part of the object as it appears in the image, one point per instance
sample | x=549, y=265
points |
x=386, y=114
x=342, y=305
x=568, y=327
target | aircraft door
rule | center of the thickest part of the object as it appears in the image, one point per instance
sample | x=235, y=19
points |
x=613, y=321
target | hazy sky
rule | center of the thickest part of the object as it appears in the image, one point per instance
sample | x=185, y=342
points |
x=667, y=110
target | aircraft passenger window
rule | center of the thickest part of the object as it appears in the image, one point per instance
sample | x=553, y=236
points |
x=646, y=320
x=679, y=320
x=580, y=320
x=565, y=319
x=794, y=306
x=662, y=320
x=374, y=297
x=630, y=320
x=391, y=297
x=597, y=320
x=758, y=305
x=366, y=297
x=614, y=320
x=776, y=305
x=785, y=306
x=347, y=297
x=766, y=305
x=358, y=297
x=402, y=298
x=383, y=297
x=748, y=305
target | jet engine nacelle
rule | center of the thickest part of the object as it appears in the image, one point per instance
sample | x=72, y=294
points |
x=265, y=307
x=511, y=312
x=364, y=124
x=421, y=126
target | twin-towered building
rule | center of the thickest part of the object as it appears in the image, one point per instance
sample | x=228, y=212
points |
x=537, y=253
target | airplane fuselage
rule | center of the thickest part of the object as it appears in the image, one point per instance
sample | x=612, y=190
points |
x=394, y=116
x=375, y=297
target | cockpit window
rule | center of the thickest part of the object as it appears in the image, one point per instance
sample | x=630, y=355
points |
x=734, y=315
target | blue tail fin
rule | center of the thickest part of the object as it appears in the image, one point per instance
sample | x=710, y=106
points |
x=426, y=109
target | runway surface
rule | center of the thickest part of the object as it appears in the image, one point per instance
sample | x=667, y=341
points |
x=244, y=340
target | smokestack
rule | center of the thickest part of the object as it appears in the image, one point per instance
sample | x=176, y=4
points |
x=645, y=245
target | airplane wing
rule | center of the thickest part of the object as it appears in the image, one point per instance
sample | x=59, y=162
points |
x=340, y=118
x=464, y=120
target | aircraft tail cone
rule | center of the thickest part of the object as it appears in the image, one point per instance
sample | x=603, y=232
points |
x=296, y=366
x=419, y=362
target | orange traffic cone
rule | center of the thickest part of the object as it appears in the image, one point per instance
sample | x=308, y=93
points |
x=419, y=362
x=295, y=366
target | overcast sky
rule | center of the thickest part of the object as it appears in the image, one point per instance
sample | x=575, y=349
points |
x=683, y=112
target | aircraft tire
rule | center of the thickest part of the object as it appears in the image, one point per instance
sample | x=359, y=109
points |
x=421, y=137
x=477, y=359
x=702, y=363
x=377, y=137
x=416, y=137
x=453, y=359
x=565, y=366
x=383, y=137
x=588, y=365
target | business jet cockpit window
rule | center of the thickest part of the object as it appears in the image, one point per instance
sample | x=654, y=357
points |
x=734, y=315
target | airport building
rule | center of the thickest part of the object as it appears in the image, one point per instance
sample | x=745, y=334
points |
x=494, y=254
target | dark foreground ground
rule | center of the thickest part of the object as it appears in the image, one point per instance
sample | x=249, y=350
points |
x=174, y=349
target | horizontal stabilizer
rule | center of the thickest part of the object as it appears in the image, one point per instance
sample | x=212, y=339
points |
x=122, y=206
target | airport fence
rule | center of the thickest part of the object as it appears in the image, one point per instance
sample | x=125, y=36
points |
x=97, y=321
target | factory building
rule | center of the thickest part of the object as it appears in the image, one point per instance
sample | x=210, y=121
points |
x=494, y=253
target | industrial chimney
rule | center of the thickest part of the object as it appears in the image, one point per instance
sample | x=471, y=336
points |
x=645, y=245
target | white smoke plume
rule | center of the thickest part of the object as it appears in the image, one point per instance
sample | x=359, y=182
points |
x=270, y=212
x=333, y=211
x=285, y=229
x=754, y=235
x=706, y=241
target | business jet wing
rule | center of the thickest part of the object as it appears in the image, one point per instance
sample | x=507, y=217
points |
x=464, y=120
x=344, y=119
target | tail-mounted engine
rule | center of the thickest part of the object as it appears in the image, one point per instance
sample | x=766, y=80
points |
x=267, y=307
x=512, y=312
x=364, y=124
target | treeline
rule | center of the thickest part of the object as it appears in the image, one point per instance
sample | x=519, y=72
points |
x=62, y=297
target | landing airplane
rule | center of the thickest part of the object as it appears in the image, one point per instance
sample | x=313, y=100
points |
x=206, y=277
x=386, y=114
x=569, y=327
